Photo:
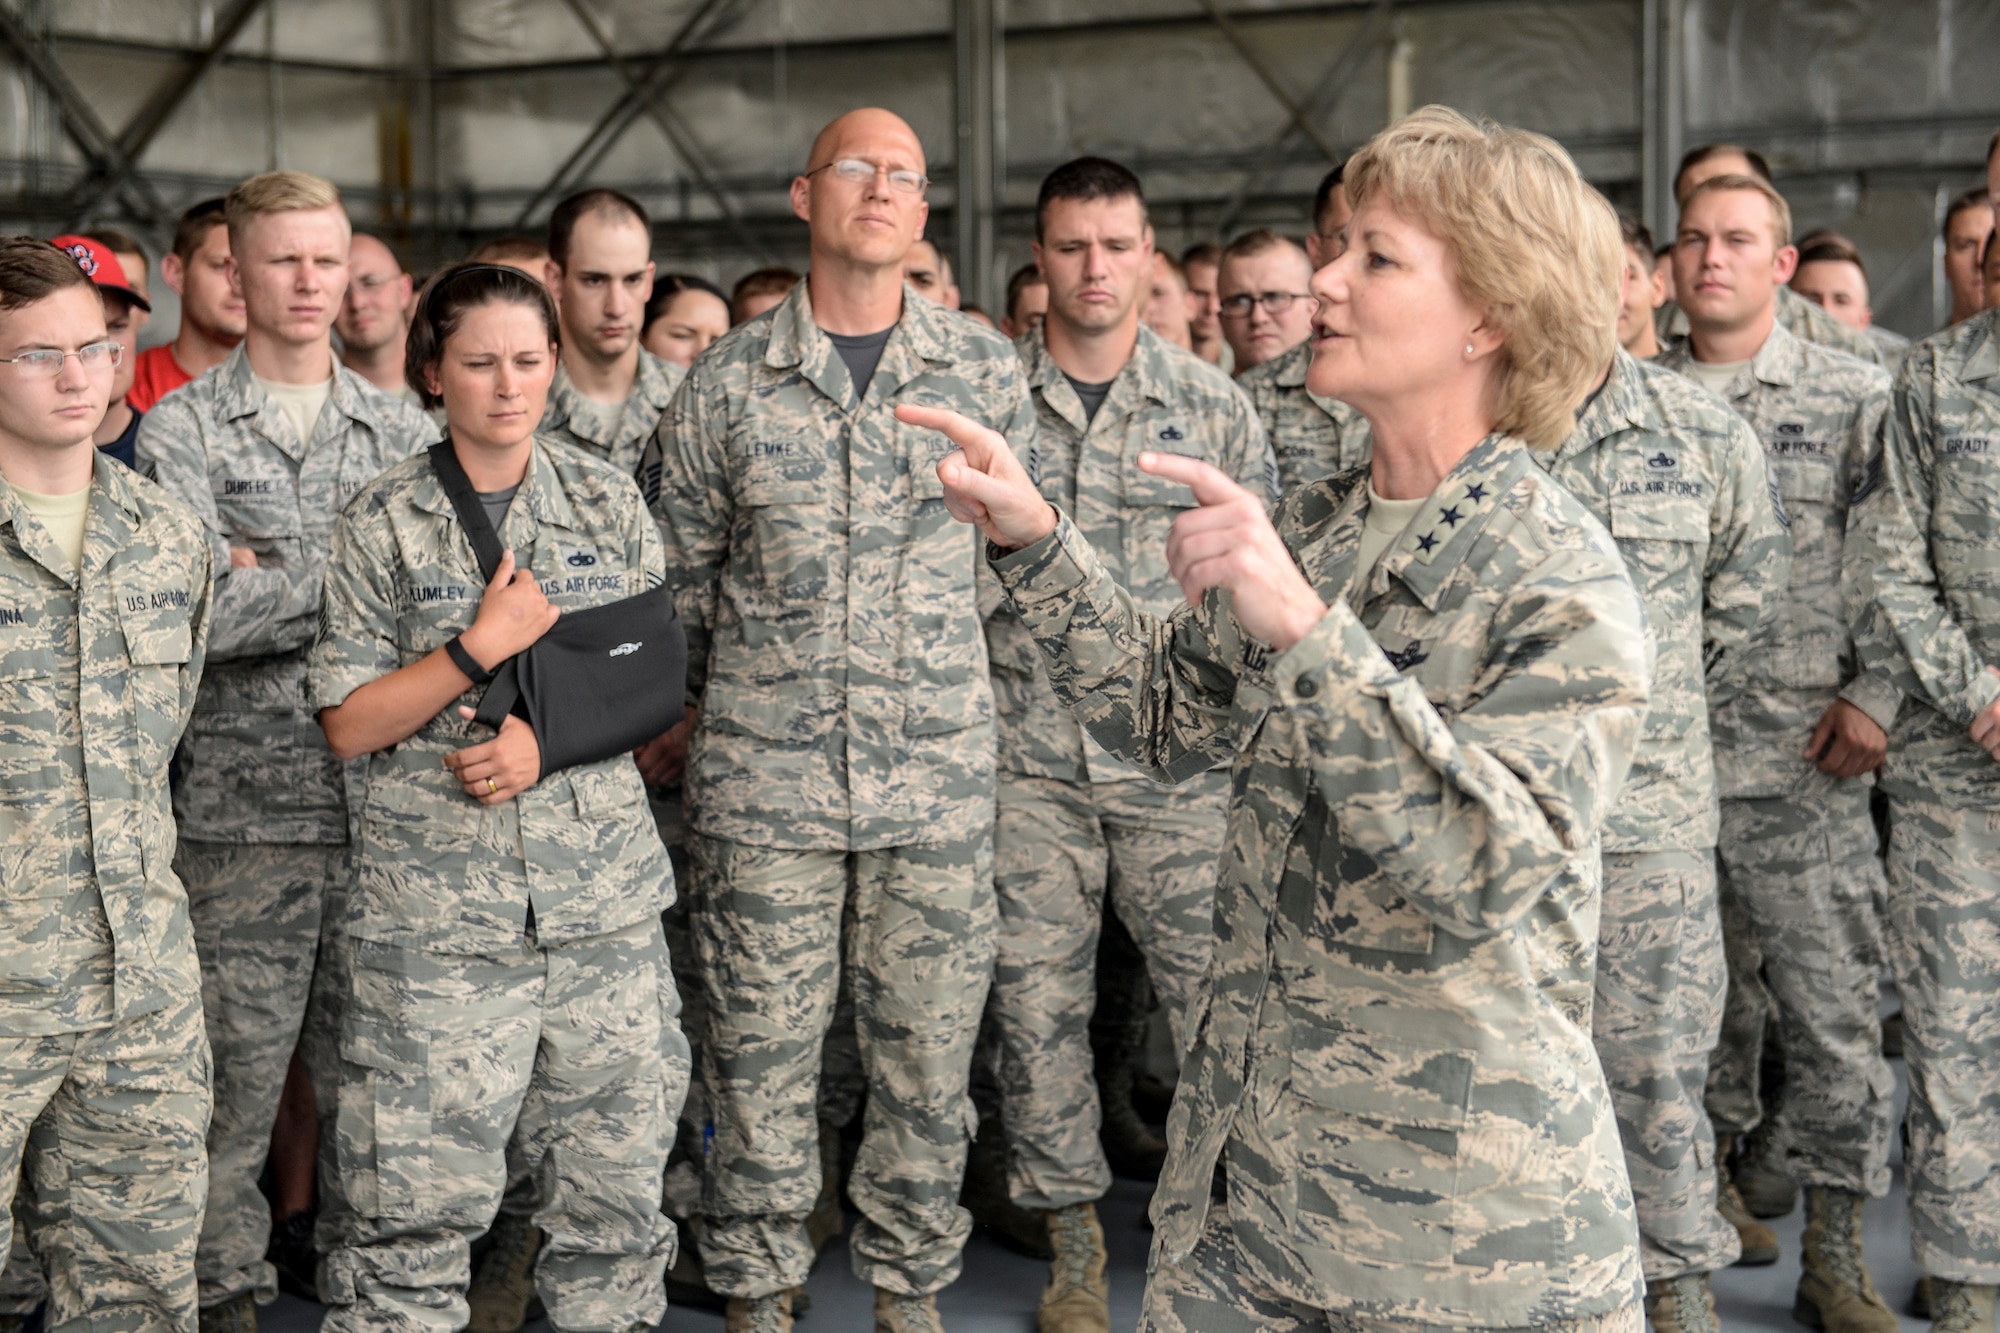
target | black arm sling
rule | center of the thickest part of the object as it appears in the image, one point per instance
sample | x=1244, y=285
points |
x=602, y=681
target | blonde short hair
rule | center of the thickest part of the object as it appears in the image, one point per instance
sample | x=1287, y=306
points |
x=1781, y=212
x=1534, y=246
x=277, y=192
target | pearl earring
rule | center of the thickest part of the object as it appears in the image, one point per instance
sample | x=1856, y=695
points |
x=1468, y=349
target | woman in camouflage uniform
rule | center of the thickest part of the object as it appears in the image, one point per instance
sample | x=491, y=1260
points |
x=508, y=966
x=1429, y=675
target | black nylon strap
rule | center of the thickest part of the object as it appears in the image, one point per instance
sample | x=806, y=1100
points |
x=471, y=514
x=465, y=661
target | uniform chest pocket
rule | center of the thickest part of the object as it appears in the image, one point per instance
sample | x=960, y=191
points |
x=159, y=639
x=1663, y=540
x=1377, y=1126
x=1806, y=479
x=781, y=555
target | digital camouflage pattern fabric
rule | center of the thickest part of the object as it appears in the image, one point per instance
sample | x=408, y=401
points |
x=100, y=679
x=1210, y=1292
x=260, y=770
x=574, y=420
x=1923, y=599
x=439, y=871
x=918, y=957
x=1074, y=823
x=1656, y=1016
x=445, y=1056
x=1681, y=484
x=1312, y=437
x=506, y=959
x=1816, y=413
x=834, y=640
x=1165, y=400
x=1412, y=1125
x=104, y=1070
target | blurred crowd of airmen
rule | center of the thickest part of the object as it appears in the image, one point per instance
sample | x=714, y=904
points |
x=899, y=855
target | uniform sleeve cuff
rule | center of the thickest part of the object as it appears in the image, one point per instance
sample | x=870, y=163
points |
x=1041, y=570
x=1980, y=695
x=1338, y=654
x=1875, y=696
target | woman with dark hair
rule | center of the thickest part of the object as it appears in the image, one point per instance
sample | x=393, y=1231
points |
x=508, y=965
x=684, y=315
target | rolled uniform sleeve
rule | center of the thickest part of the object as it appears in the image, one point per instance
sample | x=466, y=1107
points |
x=357, y=643
x=1472, y=817
x=257, y=612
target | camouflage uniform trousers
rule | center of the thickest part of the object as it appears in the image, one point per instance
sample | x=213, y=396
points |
x=683, y=1182
x=1211, y=1292
x=919, y=957
x=1735, y=1072
x=1944, y=897
x=1657, y=1012
x=441, y=1056
x=256, y=910
x=1804, y=872
x=319, y=1051
x=1059, y=849
x=102, y=1132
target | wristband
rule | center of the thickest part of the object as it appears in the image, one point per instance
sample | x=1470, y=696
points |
x=464, y=661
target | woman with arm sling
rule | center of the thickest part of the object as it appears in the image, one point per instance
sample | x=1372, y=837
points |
x=509, y=979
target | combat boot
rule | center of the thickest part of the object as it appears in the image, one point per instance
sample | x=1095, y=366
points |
x=759, y=1314
x=825, y=1222
x=1958, y=1307
x=502, y=1295
x=1760, y=1243
x=1767, y=1188
x=1920, y=1299
x=1131, y=1148
x=1681, y=1304
x=897, y=1313
x=1835, y=1291
x=238, y=1314
x=1078, y=1297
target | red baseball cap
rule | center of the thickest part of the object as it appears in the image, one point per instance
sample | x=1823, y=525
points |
x=101, y=266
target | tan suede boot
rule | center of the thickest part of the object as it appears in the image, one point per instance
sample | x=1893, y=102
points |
x=1957, y=1307
x=1835, y=1291
x=1760, y=1243
x=759, y=1314
x=1681, y=1305
x=1078, y=1297
x=502, y=1295
x=896, y=1313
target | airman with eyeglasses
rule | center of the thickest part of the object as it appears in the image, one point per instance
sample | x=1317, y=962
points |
x=45, y=363
x=1266, y=310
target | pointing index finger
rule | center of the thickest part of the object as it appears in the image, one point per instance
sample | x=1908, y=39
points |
x=1211, y=486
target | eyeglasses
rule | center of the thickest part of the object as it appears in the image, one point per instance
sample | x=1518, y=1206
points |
x=857, y=172
x=45, y=363
x=375, y=282
x=1275, y=303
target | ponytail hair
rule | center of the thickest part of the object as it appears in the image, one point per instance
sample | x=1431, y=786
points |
x=442, y=306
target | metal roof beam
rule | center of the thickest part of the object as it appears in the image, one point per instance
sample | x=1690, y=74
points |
x=146, y=124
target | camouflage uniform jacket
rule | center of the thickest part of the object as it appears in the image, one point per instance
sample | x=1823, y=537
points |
x=651, y=392
x=1816, y=413
x=1312, y=437
x=1798, y=316
x=834, y=639
x=1164, y=399
x=1923, y=584
x=259, y=769
x=435, y=869
x=1680, y=482
x=97, y=678
x=1391, y=1051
